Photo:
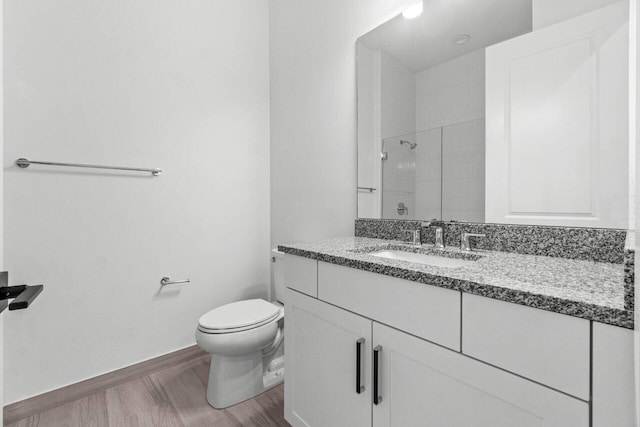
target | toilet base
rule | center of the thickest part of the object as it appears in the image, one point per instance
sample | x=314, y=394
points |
x=275, y=373
x=233, y=379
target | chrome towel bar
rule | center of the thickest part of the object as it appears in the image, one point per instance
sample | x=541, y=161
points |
x=167, y=281
x=24, y=163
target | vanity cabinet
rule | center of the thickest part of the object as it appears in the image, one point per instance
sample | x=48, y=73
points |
x=418, y=382
x=422, y=384
x=321, y=360
x=550, y=348
x=425, y=311
x=301, y=274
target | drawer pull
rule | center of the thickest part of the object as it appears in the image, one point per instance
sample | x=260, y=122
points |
x=377, y=398
x=359, y=386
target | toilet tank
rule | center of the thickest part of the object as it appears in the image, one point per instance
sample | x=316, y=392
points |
x=277, y=258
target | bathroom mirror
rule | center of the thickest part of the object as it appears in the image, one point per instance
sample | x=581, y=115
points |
x=459, y=116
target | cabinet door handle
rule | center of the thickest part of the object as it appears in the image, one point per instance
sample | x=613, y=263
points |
x=359, y=386
x=377, y=398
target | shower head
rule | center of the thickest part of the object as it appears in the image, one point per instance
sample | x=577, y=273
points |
x=412, y=145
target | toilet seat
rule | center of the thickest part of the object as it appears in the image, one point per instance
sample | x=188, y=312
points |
x=238, y=316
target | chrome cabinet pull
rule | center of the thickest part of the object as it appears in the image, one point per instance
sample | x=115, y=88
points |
x=359, y=386
x=377, y=398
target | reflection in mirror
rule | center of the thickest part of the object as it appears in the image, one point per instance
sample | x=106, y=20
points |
x=436, y=173
x=422, y=81
x=429, y=112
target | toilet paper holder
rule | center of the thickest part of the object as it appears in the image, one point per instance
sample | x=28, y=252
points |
x=167, y=281
x=22, y=295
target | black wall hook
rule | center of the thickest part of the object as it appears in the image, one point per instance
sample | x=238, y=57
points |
x=23, y=294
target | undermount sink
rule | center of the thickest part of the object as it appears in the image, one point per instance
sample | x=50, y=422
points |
x=433, y=260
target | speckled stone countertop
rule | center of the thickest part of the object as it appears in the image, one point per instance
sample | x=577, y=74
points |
x=629, y=271
x=586, y=289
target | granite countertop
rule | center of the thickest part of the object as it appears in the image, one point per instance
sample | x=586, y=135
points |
x=586, y=289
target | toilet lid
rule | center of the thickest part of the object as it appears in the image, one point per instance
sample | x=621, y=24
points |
x=241, y=314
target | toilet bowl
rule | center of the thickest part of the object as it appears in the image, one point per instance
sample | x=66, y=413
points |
x=246, y=342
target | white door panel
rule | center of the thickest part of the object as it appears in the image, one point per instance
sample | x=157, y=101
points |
x=557, y=121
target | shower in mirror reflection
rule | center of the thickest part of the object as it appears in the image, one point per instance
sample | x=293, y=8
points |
x=399, y=177
x=437, y=173
x=411, y=145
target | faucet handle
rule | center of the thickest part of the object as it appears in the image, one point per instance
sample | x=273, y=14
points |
x=415, y=236
x=465, y=243
x=432, y=222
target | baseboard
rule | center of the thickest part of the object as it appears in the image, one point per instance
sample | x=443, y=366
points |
x=42, y=402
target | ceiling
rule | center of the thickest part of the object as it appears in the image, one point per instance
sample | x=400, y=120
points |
x=426, y=41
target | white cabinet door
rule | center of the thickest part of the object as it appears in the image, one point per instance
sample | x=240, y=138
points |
x=614, y=395
x=422, y=384
x=557, y=122
x=321, y=364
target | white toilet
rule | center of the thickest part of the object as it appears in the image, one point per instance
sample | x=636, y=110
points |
x=246, y=342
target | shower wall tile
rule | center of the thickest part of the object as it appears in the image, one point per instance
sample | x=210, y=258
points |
x=463, y=171
x=450, y=100
x=399, y=170
x=390, y=201
x=428, y=174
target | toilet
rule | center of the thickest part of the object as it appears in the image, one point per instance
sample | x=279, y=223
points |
x=246, y=342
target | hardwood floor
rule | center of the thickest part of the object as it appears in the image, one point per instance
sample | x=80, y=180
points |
x=172, y=397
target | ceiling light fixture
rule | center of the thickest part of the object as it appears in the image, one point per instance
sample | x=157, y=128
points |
x=413, y=11
x=461, y=39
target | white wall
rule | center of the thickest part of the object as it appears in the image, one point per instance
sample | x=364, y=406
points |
x=179, y=85
x=548, y=12
x=386, y=109
x=1, y=209
x=397, y=98
x=634, y=141
x=313, y=113
x=369, y=141
x=451, y=92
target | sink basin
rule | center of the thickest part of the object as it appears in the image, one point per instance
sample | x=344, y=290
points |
x=434, y=260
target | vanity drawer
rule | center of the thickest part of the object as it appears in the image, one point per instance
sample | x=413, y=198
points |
x=301, y=274
x=425, y=311
x=550, y=348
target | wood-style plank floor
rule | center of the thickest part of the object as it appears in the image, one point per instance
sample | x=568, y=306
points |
x=173, y=397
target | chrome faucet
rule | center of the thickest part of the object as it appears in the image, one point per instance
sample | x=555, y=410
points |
x=415, y=237
x=439, y=232
x=439, y=238
x=465, y=243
